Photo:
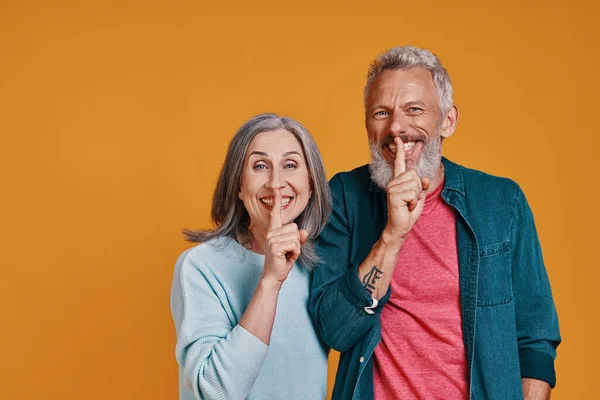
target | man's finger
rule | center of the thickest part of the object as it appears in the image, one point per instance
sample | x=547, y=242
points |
x=276, y=211
x=425, y=182
x=399, y=161
x=407, y=198
x=414, y=200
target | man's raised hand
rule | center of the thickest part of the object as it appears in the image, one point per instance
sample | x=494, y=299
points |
x=406, y=197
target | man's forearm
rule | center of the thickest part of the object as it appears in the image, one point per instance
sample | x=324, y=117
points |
x=534, y=389
x=376, y=271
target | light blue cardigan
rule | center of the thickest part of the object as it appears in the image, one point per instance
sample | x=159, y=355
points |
x=218, y=359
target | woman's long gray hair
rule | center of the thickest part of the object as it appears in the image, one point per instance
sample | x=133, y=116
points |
x=228, y=211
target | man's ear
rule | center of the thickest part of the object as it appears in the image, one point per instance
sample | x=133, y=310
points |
x=449, y=122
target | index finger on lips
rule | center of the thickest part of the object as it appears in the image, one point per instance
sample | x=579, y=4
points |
x=399, y=161
x=276, y=211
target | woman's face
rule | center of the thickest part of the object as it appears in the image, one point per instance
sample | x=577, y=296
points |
x=275, y=160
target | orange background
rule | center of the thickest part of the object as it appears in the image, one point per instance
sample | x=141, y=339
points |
x=115, y=117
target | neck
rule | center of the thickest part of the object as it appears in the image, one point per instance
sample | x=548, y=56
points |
x=258, y=240
x=437, y=179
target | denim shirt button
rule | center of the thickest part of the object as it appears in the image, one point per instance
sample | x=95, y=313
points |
x=361, y=359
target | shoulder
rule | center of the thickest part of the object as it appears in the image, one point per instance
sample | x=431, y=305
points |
x=477, y=182
x=355, y=181
x=486, y=180
x=219, y=260
x=205, y=258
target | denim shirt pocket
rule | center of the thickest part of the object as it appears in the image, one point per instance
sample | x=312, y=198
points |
x=495, y=282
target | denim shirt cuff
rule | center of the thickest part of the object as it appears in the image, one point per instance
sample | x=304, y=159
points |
x=357, y=294
x=537, y=365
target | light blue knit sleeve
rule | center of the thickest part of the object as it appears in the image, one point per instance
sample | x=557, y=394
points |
x=219, y=358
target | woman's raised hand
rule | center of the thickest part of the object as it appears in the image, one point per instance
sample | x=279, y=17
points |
x=283, y=244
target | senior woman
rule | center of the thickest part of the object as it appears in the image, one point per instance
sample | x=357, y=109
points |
x=240, y=298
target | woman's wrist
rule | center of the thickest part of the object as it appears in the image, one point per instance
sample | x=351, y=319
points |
x=269, y=283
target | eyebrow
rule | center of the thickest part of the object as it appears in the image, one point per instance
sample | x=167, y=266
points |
x=374, y=106
x=259, y=153
x=407, y=104
x=262, y=153
x=415, y=103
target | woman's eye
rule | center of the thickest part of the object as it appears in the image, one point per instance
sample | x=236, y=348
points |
x=290, y=166
x=260, y=166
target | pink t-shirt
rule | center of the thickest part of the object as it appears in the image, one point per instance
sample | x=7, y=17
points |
x=422, y=354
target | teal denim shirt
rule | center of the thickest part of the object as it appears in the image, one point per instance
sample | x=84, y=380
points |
x=510, y=326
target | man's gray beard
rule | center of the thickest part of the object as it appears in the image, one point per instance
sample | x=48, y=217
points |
x=428, y=164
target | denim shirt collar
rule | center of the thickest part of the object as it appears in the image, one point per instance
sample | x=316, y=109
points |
x=453, y=177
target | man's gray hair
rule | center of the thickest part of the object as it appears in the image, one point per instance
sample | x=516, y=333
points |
x=405, y=57
x=228, y=211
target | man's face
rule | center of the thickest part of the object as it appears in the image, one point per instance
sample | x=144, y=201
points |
x=404, y=103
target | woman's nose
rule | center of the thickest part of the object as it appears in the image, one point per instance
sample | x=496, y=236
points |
x=275, y=180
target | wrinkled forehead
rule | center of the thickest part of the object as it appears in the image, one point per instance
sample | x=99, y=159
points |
x=275, y=143
x=413, y=84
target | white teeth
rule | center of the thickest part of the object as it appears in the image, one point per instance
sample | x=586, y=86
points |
x=407, y=146
x=284, y=201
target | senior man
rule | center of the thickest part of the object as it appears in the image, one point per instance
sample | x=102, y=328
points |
x=431, y=282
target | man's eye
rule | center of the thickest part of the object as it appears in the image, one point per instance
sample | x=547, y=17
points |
x=382, y=112
x=415, y=109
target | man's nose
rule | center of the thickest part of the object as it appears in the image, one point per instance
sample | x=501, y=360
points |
x=398, y=122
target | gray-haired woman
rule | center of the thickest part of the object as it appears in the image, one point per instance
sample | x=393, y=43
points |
x=240, y=300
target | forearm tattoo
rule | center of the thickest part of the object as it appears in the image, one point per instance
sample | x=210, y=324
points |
x=369, y=279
